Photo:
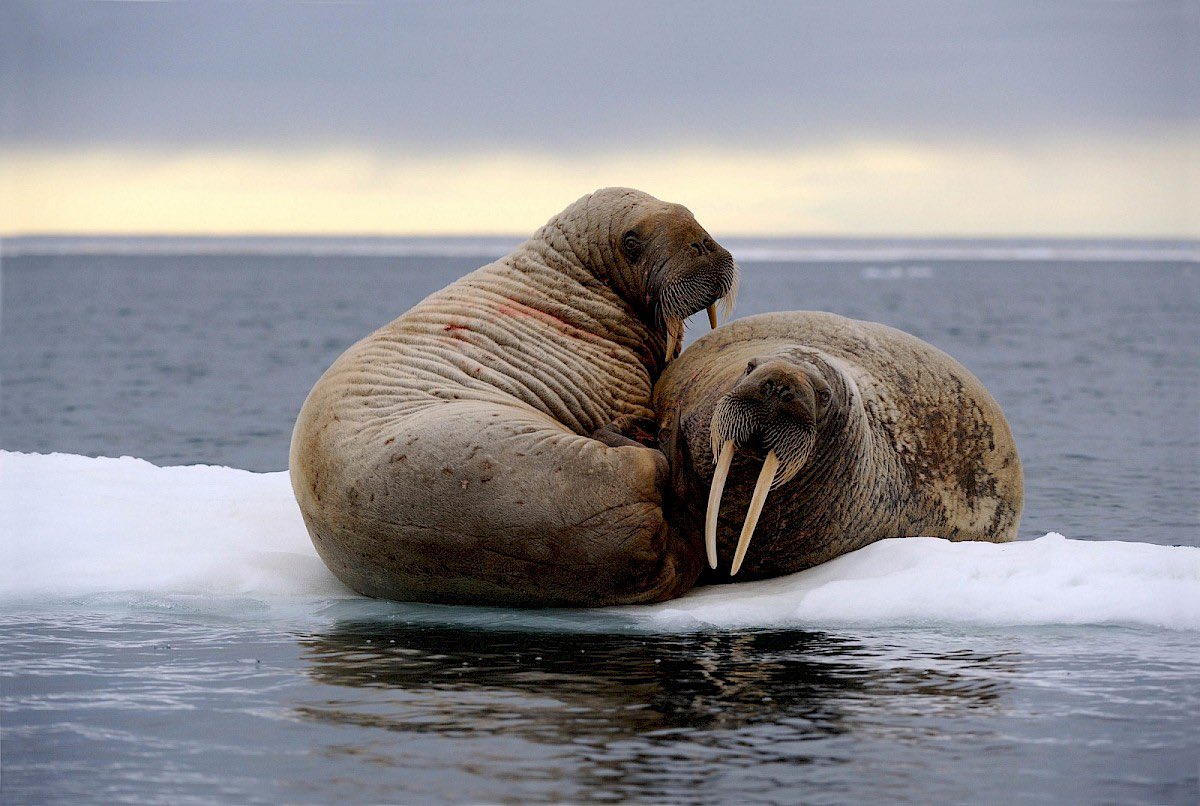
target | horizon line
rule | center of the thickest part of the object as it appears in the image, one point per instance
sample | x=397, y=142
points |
x=755, y=248
x=464, y=235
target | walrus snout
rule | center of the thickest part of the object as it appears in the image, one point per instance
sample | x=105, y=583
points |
x=779, y=389
x=775, y=409
x=687, y=272
x=693, y=281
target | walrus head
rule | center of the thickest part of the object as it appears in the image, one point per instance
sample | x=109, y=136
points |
x=658, y=257
x=778, y=410
x=685, y=270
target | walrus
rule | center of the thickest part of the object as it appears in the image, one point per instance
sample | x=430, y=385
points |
x=815, y=435
x=449, y=456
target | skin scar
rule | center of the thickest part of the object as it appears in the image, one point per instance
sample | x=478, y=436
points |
x=519, y=310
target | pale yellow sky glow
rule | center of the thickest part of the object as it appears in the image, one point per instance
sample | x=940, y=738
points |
x=1115, y=187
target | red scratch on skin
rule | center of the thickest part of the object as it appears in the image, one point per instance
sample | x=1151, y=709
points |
x=456, y=332
x=520, y=310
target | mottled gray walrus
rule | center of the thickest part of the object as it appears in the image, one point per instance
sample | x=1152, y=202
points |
x=448, y=457
x=857, y=431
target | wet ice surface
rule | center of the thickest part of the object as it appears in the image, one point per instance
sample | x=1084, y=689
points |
x=94, y=529
x=177, y=641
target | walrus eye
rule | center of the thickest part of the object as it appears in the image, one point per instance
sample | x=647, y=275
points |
x=632, y=245
x=824, y=396
x=751, y=365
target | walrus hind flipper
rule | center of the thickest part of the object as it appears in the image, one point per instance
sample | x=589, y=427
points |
x=628, y=430
x=516, y=512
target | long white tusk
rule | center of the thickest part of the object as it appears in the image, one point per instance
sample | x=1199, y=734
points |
x=674, y=336
x=765, y=477
x=712, y=315
x=714, y=501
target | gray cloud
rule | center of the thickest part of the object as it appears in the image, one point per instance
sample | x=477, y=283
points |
x=564, y=76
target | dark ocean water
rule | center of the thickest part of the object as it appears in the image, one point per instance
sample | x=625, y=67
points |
x=189, y=359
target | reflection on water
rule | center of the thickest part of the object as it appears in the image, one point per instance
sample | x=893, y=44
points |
x=558, y=687
x=175, y=706
x=647, y=716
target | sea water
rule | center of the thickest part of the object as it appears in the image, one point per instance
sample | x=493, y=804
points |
x=169, y=634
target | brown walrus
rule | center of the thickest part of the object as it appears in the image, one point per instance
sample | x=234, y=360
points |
x=448, y=456
x=857, y=431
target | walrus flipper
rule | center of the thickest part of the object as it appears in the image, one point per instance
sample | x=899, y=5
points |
x=487, y=505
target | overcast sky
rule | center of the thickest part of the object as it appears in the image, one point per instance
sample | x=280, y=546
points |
x=812, y=114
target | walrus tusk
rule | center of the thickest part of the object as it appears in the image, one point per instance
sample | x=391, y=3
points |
x=712, y=316
x=765, y=477
x=674, y=336
x=714, y=501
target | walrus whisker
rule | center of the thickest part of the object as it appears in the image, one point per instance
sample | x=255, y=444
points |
x=761, y=488
x=730, y=298
x=714, y=501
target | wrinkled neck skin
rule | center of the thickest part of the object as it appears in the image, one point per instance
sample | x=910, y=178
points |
x=586, y=235
x=798, y=510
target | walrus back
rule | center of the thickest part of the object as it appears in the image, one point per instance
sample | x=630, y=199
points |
x=445, y=457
